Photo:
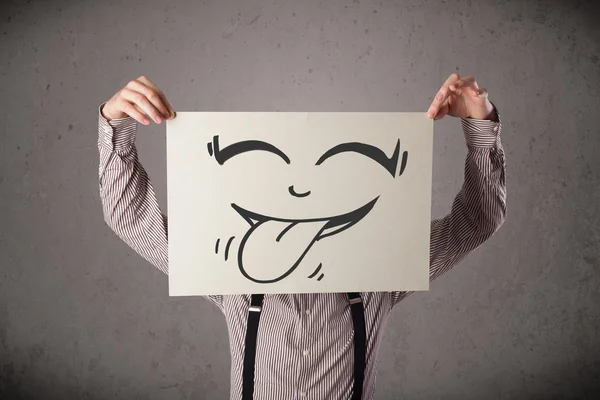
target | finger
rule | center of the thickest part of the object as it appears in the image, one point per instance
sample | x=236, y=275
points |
x=129, y=109
x=152, y=95
x=139, y=109
x=142, y=101
x=465, y=82
x=483, y=93
x=151, y=84
x=444, y=108
x=441, y=95
x=142, y=111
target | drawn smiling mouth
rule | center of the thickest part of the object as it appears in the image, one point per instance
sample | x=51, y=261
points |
x=291, y=240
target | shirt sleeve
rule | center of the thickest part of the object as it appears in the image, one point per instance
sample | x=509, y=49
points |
x=479, y=208
x=128, y=199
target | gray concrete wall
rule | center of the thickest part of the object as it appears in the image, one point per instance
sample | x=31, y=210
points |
x=82, y=316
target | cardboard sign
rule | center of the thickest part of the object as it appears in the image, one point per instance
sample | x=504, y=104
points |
x=285, y=202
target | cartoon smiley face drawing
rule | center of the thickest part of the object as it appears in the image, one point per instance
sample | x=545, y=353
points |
x=295, y=236
x=298, y=202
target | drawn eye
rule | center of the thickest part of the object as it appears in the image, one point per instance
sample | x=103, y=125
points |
x=374, y=153
x=222, y=155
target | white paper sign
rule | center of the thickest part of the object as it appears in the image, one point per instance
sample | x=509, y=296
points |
x=278, y=202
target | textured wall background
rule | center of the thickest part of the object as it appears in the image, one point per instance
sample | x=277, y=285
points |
x=82, y=316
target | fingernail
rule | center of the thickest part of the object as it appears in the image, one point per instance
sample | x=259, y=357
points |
x=167, y=116
x=146, y=121
x=430, y=114
x=439, y=96
x=158, y=119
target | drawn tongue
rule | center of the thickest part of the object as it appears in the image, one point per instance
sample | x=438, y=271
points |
x=273, y=248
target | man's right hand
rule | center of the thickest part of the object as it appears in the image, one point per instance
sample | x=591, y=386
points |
x=139, y=99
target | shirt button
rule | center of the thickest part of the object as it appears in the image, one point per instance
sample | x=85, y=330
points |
x=305, y=353
x=307, y=311
x=495, y=129
x=303, y=395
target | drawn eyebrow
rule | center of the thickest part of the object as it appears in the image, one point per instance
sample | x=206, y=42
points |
x=224, y=154
x=374, y=153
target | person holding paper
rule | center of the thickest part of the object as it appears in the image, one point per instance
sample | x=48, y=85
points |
x=304, y=346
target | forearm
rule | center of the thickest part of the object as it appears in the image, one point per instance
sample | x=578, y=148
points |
x=479, y=208
x=128, y=199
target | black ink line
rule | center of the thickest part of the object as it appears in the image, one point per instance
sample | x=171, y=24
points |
x=227, y=247
x=296, y=194
x=253, y=218
x=217, y=246
x=374, y=153
x=279, y=278
x=210, y=149
x=222, y=155
x=335, y=224
x=283, y=232
x=403, y=164
x=320, y=277
x=316, y=271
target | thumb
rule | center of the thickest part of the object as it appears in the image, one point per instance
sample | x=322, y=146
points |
x=442, y=112
x=481, y=92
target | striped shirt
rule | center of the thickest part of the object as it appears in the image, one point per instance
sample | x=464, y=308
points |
x=305, y=341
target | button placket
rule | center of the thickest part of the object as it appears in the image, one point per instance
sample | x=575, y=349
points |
x=304, y=343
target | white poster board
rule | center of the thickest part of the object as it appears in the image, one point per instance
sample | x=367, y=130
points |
x=295, y=202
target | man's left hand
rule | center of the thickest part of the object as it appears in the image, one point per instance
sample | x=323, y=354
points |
x=461, y=97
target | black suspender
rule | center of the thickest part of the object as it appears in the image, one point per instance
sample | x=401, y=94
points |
x=250, y=348
x=360, y=344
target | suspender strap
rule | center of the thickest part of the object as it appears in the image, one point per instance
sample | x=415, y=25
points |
x=360, y=343
x=250, y=351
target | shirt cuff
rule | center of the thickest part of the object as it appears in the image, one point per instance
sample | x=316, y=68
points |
x=117, y=134
x=481, y=132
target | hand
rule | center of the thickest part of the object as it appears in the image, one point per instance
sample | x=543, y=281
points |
x=461, y=97
x=139, y=99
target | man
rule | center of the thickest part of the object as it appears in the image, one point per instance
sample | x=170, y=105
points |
x=306, y=346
